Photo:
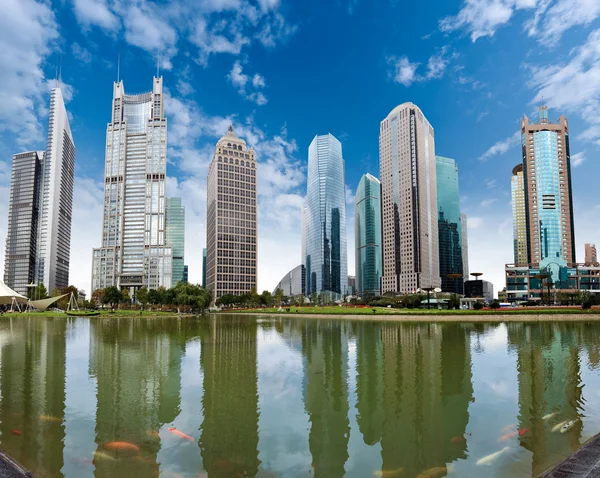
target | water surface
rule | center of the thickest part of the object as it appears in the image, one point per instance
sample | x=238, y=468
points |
x=247, y=397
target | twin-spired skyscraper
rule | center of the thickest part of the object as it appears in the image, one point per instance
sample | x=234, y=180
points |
x=325, y=257
x=38, y=245
x=134, y=251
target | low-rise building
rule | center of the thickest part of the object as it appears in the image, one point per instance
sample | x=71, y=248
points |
x=479, y=288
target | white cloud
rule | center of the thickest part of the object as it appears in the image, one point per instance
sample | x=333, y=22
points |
x=488, y=202
x=80, y=53
x=244, y=84
x=561, y=16
x=405, y=72
x=577, y=159
x=27, y=32
x=491, y=183
x=436, y=66
x=96, y=12
x=574, y=86
x=350, y=196
x=502, y=146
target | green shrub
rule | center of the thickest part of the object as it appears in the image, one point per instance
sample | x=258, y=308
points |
x=477, y=306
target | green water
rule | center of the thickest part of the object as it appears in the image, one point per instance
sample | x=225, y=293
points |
x=294, y=397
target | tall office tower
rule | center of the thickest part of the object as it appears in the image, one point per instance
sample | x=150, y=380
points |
x=519, y=215
x=449, y=227
x=367, y=236
x=23, y=216
x=186, y=277
x=591, y=257
x=326, y=256
x=409, y=201
x=303, y=236
x=175, y=237
x=134, y=251
x=56, y=199
x=204, y=267
x=548, y=194
x=465, y=245
x=231, y=239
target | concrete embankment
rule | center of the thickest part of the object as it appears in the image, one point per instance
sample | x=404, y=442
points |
x=11, y=469
x=584, y=463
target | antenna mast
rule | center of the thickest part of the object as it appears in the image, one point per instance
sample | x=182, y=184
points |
x=119, y=67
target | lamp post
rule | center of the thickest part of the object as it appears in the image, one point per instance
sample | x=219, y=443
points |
x=428, y=290
x=455, y=276
x=541, y=276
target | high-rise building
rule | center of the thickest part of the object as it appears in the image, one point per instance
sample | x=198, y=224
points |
x=186, y=277
x=293, y=283
x=175, y=237
x=449, y=225
x=367, y=236
x=23, y=217
x=519, y=215
x=409, y=201
x=326, y=255
x=56, y=199
x=231, y=234
x=134, y=251
x=591, y=257
x=204, y=267
x=548, y=195
x=465, y=245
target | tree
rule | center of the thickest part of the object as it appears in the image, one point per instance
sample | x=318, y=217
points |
x=112, y=295
x=313, y=298
x=125, y=295
x=55, y=292
x=495, y=304
x=142, y=296
x=38, y=293
x=477, y=306
x=64, y=302
x=278, y=296
x=98, y=296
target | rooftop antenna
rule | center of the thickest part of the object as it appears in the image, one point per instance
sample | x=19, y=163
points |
x=158, y=64
x=119, y=67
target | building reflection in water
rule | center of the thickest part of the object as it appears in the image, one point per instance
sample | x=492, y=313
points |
x=325, y=351
x=549, y=379
x=137, y=364
x=32, y=390
x=229, y=434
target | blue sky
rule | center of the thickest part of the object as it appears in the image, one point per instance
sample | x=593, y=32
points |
x=282, y=71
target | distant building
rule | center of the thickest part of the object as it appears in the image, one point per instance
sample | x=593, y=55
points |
x=519, y=215
x=293, y=283
x=502, y=295
x=479, y=288
x=449, y=225
x=352, y=285
x=408, y=201
x=186, y=277
x=23, y=217
x=204, y=267
x=175, y=236
x=465, y=245
x=231, y=235
x=81, y=295
x=133, y=251
x=367, y=237
x=591, y=257
x=326, y=255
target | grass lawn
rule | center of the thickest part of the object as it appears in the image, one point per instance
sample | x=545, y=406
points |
x=336, y=310
x=103, y=314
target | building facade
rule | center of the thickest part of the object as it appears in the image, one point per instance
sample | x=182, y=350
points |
x=449, y=225
x=519, y=215
x=56, y=199
x=23, y=217
x=325, y=243
x=591, y=256
x=409, y=201
x=175, y=237
x=186, y=276
x=479, y=288
x=465, y=245
x=367, y=236
x=293, y=283
x=204, y=267
x=231, y=231
x=134, y=251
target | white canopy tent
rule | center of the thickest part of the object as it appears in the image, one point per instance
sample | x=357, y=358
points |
x=7, y=295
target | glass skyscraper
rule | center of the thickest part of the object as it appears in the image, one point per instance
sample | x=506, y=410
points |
x=134, y=251
x=175, y=230
x=449, y=224
x=518, y=210
x=367, y=230
x=326, y=256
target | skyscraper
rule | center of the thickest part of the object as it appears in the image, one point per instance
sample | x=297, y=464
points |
x=56, y=198
x=231, y=233
x=548, y=195
x=326, y=256
x=204, y=267
x=449, y=226
x=23, y=217
x=175, y=237
x=409, y=201
x=519, y=215
x=465, y=245
x=367, y=235
x=134, y=251
x=591, y=257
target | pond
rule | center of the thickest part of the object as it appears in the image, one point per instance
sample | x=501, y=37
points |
x=240, y=396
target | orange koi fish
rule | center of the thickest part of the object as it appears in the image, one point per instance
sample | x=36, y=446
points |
x=458, y=439
x=436, y=472
x=508, y=436
x=180, y=434
x=508, y=428
x=522, y=432
x=47, y=418
x=16, y=432
x=122, y=446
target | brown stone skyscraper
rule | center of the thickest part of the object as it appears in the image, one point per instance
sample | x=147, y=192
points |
x=547, y=186
x=231, y=235
x=409, y=201
x=591, y=257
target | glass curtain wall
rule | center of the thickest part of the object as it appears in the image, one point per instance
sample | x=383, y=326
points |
x=367, y=228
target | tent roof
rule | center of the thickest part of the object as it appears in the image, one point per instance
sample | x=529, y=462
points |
x=43, y=304
x=7, y=294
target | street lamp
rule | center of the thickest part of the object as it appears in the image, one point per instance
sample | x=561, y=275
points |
x=541, y=277
x=455, y=276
